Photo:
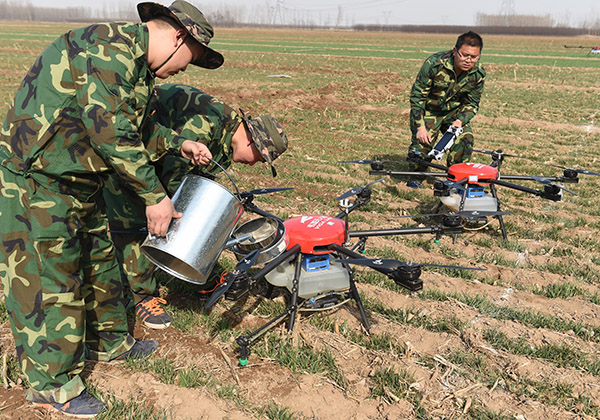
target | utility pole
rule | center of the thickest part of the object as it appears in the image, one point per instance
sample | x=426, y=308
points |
x=507, y=11
x=386, y=16
x=278, y=8
x=339, y=16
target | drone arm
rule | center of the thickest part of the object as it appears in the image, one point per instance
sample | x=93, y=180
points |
x=569, y=178
x=407, y=277
x=514, y=186
x=351, y=254
x=550, y=192
x=391, y=232
x=251, y=207
x=406, y=173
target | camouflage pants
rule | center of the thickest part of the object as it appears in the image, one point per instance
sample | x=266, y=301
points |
x=463, y=146
x=61, y=286
x=127, y=215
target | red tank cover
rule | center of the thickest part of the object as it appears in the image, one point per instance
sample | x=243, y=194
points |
x=473, y=171
x=315, y=233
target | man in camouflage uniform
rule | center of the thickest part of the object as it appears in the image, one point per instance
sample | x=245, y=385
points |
x=447, y=92
x=229, y=136
x=75, y=119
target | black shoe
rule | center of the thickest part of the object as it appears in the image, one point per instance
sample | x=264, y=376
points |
x=414, y=183
x=83, y=406
x=141, y=349
x=150, y=311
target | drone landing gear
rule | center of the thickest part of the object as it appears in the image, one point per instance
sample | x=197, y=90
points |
x=327, y=301
x=500, y=219
x=464, y=196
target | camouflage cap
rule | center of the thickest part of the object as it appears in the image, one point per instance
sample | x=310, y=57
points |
x=268, y=137
x=190, y=19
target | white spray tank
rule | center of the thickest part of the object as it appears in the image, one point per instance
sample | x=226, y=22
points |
x=319, y=274
x=480, y=200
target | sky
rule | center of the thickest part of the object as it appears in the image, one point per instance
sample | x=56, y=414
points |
x=393, y=12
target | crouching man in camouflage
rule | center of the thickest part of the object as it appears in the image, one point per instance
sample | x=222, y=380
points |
x=75, y=119
x=229, y=136
x=447, y=92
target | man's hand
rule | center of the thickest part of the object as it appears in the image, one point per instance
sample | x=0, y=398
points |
x=159, y=216
x=423, y=136
x=457, y=123
x=196, y=152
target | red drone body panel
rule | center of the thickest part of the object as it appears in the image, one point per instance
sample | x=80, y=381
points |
x=315, y=233
x=473, y=171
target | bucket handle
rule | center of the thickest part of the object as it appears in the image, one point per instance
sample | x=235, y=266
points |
x=239, y=196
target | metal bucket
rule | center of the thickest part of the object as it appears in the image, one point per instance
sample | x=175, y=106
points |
x=267, y=234
x=195, y=241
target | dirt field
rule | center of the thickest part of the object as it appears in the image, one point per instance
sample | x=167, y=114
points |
x=518, y=341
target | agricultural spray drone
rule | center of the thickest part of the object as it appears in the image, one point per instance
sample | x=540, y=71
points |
x=591, y=50
x=462, y=187
x=311, y=255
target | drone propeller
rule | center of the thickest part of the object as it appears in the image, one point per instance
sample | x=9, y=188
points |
x=498, y=152
x=579, y=171
x=264, y=191
x=392, y=264
x=240, y=269
x=465, y=214
x=546, y=181
x=361, y=161
x=358, y=190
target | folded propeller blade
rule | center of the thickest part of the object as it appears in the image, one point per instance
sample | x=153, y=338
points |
x=264, y=191
x=357, y=190
x=498, y=152
x=392, y=264
x=546, y=181
x=361, y=161
x=579, y=171
x=466, y=214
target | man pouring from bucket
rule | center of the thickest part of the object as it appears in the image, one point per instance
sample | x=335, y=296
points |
x=75, y=119
x=229, y=136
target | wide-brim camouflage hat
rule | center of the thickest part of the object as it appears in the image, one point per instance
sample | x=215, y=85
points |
x=190, y=19
x=268, y=137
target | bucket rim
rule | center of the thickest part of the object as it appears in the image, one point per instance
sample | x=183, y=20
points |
x=204, y=179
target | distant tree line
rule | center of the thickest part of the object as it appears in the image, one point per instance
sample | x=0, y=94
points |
x=18, y=10
x=489, y=30
x=223, y=16
x=483, y=19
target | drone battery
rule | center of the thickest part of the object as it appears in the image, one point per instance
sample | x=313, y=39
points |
x=475, y=192
x=315, y=262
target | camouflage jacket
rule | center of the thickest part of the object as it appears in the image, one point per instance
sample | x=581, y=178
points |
x=79, y=110
x=438, y=91
x=194, y=115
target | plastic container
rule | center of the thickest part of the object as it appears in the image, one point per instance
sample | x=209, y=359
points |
x=311, y=283
x=486, y=202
